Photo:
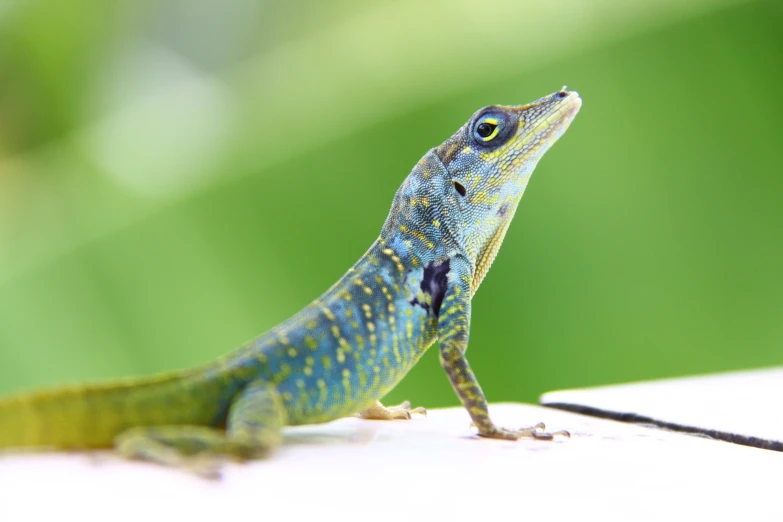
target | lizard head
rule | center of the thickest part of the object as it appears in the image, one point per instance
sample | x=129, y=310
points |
x=489, y=162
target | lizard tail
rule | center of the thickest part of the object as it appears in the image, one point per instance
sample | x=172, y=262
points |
x=92, y=416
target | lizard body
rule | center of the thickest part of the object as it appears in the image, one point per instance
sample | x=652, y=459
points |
x=352, y=345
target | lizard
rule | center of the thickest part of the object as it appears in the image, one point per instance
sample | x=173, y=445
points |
x=347, y=349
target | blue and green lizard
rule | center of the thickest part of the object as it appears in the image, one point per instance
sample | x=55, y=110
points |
x=349, y=347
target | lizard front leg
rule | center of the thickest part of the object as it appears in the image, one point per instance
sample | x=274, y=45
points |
x=453, y=333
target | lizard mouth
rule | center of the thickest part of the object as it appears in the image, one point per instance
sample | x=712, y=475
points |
x=552, y=115
x=569, y=108
x=554, y=121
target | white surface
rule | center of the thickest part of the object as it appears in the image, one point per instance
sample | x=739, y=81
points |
x=742, y=403
x=424, y=469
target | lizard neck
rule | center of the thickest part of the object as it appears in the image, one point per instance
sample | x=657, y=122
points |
x=419, y=228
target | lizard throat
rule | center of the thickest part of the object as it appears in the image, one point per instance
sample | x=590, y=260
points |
x=487, y=255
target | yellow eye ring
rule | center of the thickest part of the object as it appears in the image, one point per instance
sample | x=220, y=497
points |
x=487, y=129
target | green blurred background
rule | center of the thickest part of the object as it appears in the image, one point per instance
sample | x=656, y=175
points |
x=177, y=177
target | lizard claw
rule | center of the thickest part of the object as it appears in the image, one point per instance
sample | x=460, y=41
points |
x=401, y=411
x=533, y=432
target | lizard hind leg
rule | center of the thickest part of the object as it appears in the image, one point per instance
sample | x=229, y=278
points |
x=254, y=429
x=401, y=411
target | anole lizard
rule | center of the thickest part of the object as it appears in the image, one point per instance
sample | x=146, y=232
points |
x=352, y=345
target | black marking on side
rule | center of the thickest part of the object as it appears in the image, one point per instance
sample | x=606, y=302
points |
x=434, y=283
x=744, y=440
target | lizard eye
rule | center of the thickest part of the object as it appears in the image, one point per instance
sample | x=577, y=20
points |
x=486, y=129
x=492, y=126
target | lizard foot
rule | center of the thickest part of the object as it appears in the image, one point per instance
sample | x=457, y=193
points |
x=537, y=432
x=204, y=465
x=401, y=411
x=195, y=449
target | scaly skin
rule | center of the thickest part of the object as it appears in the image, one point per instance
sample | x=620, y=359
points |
x=352, y=345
